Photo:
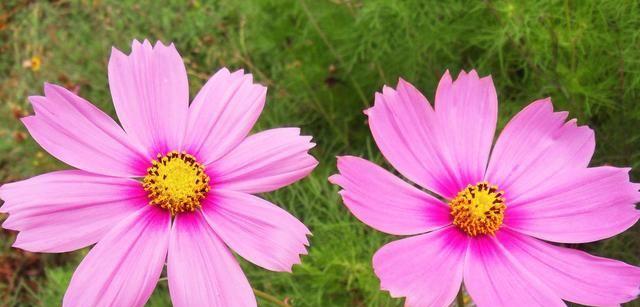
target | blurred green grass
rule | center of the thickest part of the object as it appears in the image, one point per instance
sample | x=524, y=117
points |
x=322, y=61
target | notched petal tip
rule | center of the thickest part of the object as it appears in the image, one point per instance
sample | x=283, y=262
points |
x=116, y=54
x=473, y=74
x=135, y=43
x=240, y=72
x=379, y=99
x=147, y=44
x=26, y=245
x=117, y=58
x=9, y=223
x=306, y=139
x=462, y=75
x=544, y=103
x=28, y=120
x=297, y=130
x=16, y=244
x=335, y=179
x=36, y=98
x=38, y=103
x=47, y=86
x=263, y=90
x=387, y=90
x=341, y=160
x=160, y=44
x=55, y=91
x=247, y=78
x=404, y=85
x=446, y=75
x=488, y=80
x=224, y=69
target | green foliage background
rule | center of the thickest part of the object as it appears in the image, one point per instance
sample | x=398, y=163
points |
x=323, y=61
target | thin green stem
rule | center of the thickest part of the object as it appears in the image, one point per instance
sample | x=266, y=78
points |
x=270, y=298
x=261, y=294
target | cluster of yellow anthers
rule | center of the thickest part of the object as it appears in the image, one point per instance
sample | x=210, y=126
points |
x=176, y=182
x=478, y=209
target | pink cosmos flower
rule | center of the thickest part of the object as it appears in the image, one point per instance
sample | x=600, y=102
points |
x=174, y=185
x=492, y=214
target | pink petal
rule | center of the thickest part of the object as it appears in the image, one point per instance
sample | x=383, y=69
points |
x=67, y=210
x=575, y=275
x=256, y=229
x=124, y=267
x=264, y=162
x=222, y=114
x=385, y=202
x=467, y=110
x=427, y=268
x=582, y=205
x=494, y=277
x=79, y=134
x=201, y=270
x=151, y=94
x=536, y=145
x=442, y=150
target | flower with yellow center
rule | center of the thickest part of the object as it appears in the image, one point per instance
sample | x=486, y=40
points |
x=170, y=216
x=478, y=209
x=460, y=240
x=176, y=182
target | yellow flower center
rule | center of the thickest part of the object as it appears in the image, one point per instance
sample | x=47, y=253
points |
x=176, y=182
x=478, y=209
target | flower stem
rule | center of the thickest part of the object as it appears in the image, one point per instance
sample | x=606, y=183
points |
x=460, y=298
x=270, y=298
x=260, y=294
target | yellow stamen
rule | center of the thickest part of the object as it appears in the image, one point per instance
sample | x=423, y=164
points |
x=176, y=182
x=478, y=209
x=35, y=63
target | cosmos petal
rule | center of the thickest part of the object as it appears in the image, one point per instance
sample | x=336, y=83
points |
x=444, y=149
x=67, y=210
x=222, y=114
x=426, y=268
x=536, y=145
x=150, y=93
x=467, y=111
x=264, y=162
x=581, y=205
x=575, y=275
x=201, y=270
x=124, y=267
x=385, y=202
x=494, y=277
x=256, y=229
x=79, y=134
